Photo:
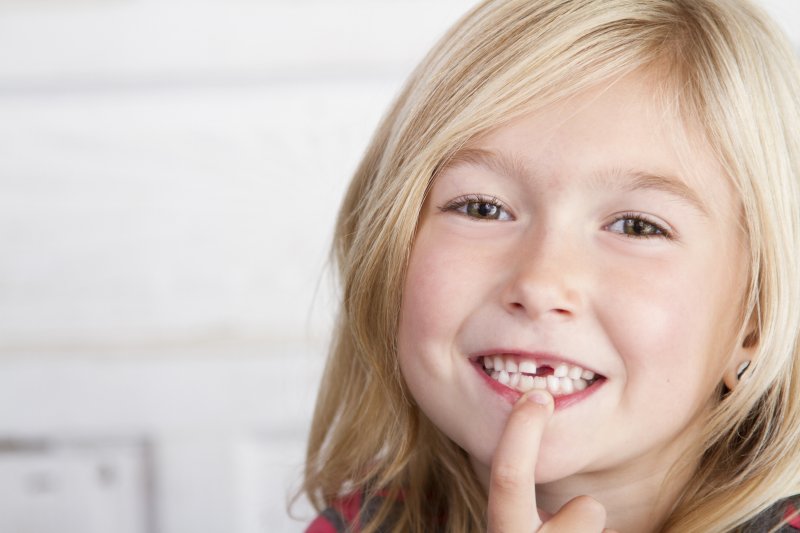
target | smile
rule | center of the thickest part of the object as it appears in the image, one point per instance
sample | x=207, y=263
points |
x=523, y=375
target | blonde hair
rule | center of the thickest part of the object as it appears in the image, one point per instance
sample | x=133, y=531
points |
x=726, y=69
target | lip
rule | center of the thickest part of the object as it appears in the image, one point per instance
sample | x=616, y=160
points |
x=512, y=395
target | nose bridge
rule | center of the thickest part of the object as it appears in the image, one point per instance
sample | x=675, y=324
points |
x=548, y=276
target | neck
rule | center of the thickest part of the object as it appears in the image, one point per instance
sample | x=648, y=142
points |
x=634, y=503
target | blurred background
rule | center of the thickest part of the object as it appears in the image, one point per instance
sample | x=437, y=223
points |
x=169, y=176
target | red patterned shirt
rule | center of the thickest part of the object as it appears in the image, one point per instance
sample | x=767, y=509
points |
x=346, y=514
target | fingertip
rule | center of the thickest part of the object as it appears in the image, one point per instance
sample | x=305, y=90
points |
x=537, y=397
x=591, y=508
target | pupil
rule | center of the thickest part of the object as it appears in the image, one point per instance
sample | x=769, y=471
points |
x=638, y=227
x=486, y=210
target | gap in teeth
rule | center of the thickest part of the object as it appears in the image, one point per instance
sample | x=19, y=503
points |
x=526, y=375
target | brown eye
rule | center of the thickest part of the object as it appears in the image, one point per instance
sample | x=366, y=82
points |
x=637, y=227
x=478, y=208
x=640, y=228
x=483, y=210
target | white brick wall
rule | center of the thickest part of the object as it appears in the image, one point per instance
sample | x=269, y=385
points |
x=169, y=174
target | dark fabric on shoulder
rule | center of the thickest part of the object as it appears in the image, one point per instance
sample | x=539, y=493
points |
x=777, y=514
x=349, y=513
x=371, y=508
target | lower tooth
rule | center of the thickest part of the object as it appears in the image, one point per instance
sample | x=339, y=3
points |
x=553, y=384
x=514, y=381
x=540, y=382
x=580, y=384
x=565, y=384
x=525, y=383
x=504, y=378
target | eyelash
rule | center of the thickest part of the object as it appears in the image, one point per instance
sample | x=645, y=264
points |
x=460, y=203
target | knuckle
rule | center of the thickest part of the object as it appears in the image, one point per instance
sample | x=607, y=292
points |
x=507, y=478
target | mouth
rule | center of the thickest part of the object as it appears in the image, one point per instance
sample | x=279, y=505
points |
x=524, y=374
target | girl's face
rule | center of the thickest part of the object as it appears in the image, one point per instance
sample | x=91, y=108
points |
x=577, y=240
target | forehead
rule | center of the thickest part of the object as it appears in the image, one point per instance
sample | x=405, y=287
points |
x=619, y=134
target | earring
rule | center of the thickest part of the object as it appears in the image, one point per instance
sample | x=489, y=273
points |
x=741, y=370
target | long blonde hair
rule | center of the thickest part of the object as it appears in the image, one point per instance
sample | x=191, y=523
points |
x=728, y=70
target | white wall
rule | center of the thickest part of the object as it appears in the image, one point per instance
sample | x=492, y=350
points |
x=169, y=174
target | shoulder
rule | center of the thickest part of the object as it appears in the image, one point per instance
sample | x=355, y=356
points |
x=345, y=515
x=785, y=512
x=791, y=514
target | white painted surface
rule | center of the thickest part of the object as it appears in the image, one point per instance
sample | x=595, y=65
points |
x=169, y=175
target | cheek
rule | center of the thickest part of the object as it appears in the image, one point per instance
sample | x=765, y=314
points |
x=441, y=288
x=673, y=327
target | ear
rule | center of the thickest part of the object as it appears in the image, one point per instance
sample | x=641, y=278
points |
x=741, y=362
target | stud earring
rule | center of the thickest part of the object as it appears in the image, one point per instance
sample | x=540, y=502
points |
x=741, y=370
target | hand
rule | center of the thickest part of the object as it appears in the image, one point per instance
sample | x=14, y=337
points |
x=512, y=489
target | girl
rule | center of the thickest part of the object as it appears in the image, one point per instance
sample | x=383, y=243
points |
x=570, y=281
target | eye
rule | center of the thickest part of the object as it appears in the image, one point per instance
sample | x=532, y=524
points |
x=478, y=207
x=637, y=226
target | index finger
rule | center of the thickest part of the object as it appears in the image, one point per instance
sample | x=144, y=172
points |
x=512, y=489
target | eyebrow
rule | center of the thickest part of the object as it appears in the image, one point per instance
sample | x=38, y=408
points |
x=625, y=179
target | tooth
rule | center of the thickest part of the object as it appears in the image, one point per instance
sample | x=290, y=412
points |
x=575, y=372
x=495, y=375
x=488, y=363
x=539, y=382
x=514, y=381
x=565, y=385
x=511, y=365
x=561, y=371
x=527, y=366
x=553, y=384
x=503, y=377
x=525, y=383
x=498, y=363
x=587, y=375
x=580, y=384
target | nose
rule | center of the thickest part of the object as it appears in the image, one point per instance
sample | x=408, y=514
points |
x=547, y=278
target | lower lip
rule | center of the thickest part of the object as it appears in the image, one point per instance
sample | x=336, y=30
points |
x=512, y=395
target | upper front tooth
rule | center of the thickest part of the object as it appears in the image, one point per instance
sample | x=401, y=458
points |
x=527, y=366
x=561, y=371
x=498, y=363
x=511, y=365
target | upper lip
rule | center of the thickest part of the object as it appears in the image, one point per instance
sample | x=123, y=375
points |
x=540, y=356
